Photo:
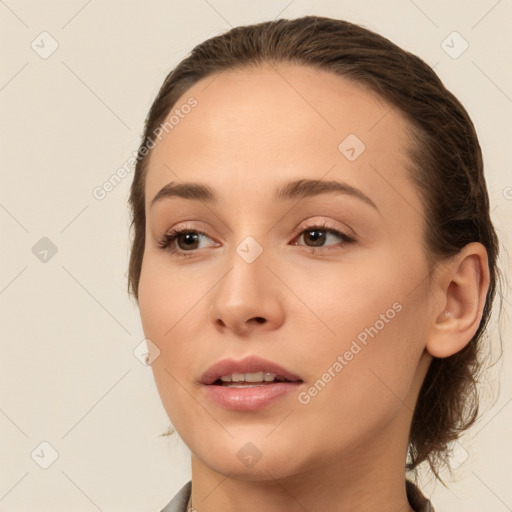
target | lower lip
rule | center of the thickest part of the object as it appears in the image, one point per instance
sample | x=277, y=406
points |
x=249, y=398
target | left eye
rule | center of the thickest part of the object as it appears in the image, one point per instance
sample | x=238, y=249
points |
x=319, y=234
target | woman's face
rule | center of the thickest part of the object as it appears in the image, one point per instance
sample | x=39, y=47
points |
x=262, y=274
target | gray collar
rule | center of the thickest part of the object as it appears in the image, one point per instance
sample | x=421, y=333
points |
x=416, y=498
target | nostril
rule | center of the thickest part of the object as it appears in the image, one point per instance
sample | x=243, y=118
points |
x=259, y=319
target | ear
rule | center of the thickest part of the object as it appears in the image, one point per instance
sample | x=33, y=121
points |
x=462, y=287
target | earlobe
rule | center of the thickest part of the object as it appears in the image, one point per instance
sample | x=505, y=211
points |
x=463, y=285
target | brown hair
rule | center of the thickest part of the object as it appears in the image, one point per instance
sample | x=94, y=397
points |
x=447, y=170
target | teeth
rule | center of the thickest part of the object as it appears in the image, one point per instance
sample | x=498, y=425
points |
x=250, y=377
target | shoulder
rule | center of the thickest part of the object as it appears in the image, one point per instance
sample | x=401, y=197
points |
x=417, y=500
x=180, y=500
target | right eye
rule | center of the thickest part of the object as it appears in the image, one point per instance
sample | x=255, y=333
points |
x=185, y=237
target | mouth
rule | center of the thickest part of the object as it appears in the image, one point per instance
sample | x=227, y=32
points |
x=244, y=380
x=248, y=384
x=251, y=371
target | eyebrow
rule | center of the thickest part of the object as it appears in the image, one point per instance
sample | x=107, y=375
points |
x=298, y=189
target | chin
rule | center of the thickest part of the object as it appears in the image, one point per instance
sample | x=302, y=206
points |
x=248, y=456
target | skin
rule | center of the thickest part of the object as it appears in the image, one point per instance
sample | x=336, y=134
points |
x=345, y=450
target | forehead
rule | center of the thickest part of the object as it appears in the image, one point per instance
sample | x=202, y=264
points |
x=253, y=129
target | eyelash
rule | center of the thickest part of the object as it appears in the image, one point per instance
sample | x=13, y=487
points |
x=166, y=242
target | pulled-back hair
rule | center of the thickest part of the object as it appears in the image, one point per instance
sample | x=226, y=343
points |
x=445, y=166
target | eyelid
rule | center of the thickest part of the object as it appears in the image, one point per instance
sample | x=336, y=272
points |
x=326, y=224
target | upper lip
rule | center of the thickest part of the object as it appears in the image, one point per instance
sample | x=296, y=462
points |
x=250, y=364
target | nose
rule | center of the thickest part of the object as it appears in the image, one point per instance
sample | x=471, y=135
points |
x=248, y=298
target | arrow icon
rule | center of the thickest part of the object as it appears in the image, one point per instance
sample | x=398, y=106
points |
x=454, y=45
x=249, y=249
x=351, y=147
x=44, y=455
x=40, y=45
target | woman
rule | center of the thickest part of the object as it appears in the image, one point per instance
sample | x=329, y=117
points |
x=315, y=265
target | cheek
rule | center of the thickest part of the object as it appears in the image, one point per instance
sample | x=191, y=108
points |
x=369, y=389
x=370, y=340
x=161, y=300
x=164, y=311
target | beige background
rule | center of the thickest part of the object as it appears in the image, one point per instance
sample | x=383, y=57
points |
x=68, y=329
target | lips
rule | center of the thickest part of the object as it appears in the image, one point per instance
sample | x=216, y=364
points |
x=250, y=364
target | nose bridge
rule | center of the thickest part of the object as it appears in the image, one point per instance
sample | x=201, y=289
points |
x=248, y=276
x=248, y=290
